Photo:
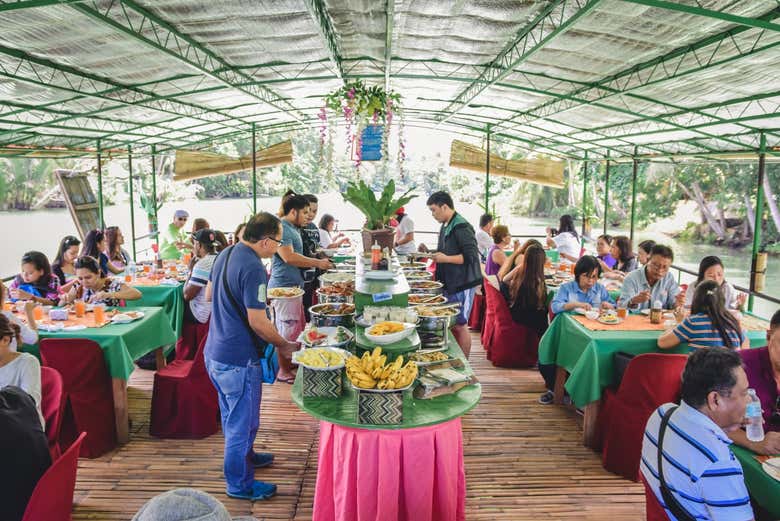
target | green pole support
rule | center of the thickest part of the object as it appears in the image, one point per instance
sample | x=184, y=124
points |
x=132, y=199
x=633, y=194
x=487, y=174
x=156, y=227
x=606, y=193
x=759, y=216
x=254, y=170
x=584, y=196
x=100, y=187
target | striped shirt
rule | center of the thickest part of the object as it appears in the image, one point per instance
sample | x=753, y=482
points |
x=699, y=467
x=699, y=332
x=200, y=307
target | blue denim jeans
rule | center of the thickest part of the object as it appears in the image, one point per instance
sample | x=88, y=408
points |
x=239, y=390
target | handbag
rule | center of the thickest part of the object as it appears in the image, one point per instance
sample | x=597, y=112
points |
x=671, y=502
x=269, y=362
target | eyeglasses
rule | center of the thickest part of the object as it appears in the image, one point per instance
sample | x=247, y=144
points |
x=181, y=218
x=775, y=418
x=271, y=238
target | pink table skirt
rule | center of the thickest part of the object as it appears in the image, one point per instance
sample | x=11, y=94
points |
x=393, y=475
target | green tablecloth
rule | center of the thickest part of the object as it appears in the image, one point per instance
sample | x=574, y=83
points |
x=588, y=355
x=763, y=487
x=123, y=343
x=170, y=298
x=417, y=413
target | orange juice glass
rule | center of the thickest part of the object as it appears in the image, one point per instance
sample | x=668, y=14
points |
x=100, y=314
x=8, y=306
x=622, y=312
x=38, y=313
x=80, y=307
x=128, y=279
x=147, y=268
x=186, y=258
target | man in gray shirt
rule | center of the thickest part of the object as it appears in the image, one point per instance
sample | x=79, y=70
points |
x=652, y=283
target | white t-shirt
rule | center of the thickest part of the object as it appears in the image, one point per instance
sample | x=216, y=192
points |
x=325, y=238
x=29, y=335
x=566, y=242
x=200, y=307
x=405, y=226
x=729, y=294
x=24, y=372
x=484, y=242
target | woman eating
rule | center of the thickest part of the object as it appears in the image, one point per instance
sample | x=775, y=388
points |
x=63, y=268
x=585, y=292
x=205, y=247
x=710, y=324
x=604, y=252
x=21, y=370
x=95, y=288
x=643, y=255
x=526, y=293
x=327, y=239
x=711, y=268
x=95, y=247
x=496, y=256
x=36, y=282
x=565, y=239
x=116, y=254
x=624, y=256
x=28, y=331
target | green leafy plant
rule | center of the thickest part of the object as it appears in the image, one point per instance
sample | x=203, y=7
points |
x=378, y=212
x=362, y=101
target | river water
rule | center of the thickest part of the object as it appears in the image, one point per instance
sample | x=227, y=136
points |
x=42, y=229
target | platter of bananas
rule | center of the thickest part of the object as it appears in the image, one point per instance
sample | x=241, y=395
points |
x=372, y=371
x=320, y=358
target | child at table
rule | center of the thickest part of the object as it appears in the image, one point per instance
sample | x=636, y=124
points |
x=36, y=282
x=584, y=292
x=29, y=333
x=94, y=288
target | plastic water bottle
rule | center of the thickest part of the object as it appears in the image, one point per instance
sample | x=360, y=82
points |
x=131, y=270
x=755, y=420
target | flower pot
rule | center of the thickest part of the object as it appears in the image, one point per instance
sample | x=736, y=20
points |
x=382, y=237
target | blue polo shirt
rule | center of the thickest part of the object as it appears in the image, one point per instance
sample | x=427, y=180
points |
x=571, y=291
x=285, y=275
x=229, y=340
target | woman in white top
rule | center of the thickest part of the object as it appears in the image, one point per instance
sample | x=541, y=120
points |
x=29, y=333
x=19, y=369
x=711, y=268
x=404, y=233
x=566, y=240
x=327, y=240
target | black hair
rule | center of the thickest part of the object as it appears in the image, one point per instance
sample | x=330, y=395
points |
x=90, y=249
x=484, y=219
x=67, y=242
x=238, y=231
x=210, y=246
x=775, y=322
x=607, y=238
x=8, y=328
x=623, y=245
x=585, y=266
x=112, y=242
x=708, y=299
x=646, y=246
x=709, y=370
x=566, y=224
x=199, y=223
x=325, y=220
x=311, y=198
x=664, y=251
x=527, y=289
x=88, y=263
x=294, y=202
x=441, y=198
x=222, y=241
x=261, y=225
x=705, y=264
x=41, y=262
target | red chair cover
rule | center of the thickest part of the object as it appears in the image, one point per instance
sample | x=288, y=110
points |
x=650, y=380
x=52, y=405
x=510, y=344
x=654, y=510
x=477, y=315
x=188, y=342
x=90, y=404
x=184, y=401
x=52, y=498
x=488, y=322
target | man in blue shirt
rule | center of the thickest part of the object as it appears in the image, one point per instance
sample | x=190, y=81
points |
x=653, y=282
x=231, y=357
x=286, y=272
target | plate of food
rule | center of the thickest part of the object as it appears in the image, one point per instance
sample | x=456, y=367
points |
x=326, y=336
x=285, y=293
x=388, y=332
x=418, y=275
x=380, y=274
x=772, y=467
x=426, y=286
x=423, y=359
x=320, y=358
x=126, y=317
x=413, y=266
x=610, y=318
x=331, y=278
x=423, y=298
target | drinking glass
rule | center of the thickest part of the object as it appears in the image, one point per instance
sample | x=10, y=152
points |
x=80, y=307
x=622, y=311
x=147, y=268
x=38, y=313
x=99, y=314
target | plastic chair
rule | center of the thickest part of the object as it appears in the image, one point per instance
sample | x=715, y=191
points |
x=653, y=509
x=52, y=498
x=188, y=342
x=510, y=344
x=184, y=401
x=52, y=405
x=90, y=405
x=651, y=380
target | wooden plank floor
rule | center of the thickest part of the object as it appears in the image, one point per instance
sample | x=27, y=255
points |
x=524, y=461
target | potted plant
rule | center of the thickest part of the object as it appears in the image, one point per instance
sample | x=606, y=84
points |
x=378, y=212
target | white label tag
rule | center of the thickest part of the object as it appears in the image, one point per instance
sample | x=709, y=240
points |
x=381, y=297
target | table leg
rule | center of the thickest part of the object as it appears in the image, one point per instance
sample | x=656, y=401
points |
x=159, y=356
x=121, y=415
x=560, y=379
x=589, y=423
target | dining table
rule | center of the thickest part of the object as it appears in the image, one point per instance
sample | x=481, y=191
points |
x=764, y=488
x=165, y=293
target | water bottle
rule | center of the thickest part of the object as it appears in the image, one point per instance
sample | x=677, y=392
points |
x=131, y=270
x=755, y=420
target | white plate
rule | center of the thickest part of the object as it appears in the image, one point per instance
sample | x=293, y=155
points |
x=600, y=320
x=392, y=337
x=342, y=352
x=330, y=278
x=380, y=274
x=330, y=340
x=51, y=327
x=77, y=327
x=772, y=471
x=645, y=312
x=122, y=318
x=298, y=294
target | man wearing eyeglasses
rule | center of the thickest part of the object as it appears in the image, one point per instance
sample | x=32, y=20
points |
x=173, y=240
x=653, y=282
x=763, y=371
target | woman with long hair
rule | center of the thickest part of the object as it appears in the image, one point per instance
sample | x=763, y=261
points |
x=35, y=282
x=643, y=252
x=63, y=265
x=116, y=254
x=95, y=288
x=626, y=260
x=327, y=226
x=526, y=292
x=95, y=247
x=710, y=324
x=565, y=239
x=711, y=268
x=515, y=260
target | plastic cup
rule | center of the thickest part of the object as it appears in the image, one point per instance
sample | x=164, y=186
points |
x=80, y=307
x=128, y=279
x=38, y=313
x=99, y=313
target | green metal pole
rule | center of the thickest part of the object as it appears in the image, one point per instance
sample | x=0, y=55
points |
x=633, y=195
x=487, y=174
x=585, y=216
x=132, y=199
x=100, y=187
x=759, y=216
x=254, y=169
x=606, y=193
x=154, y=198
